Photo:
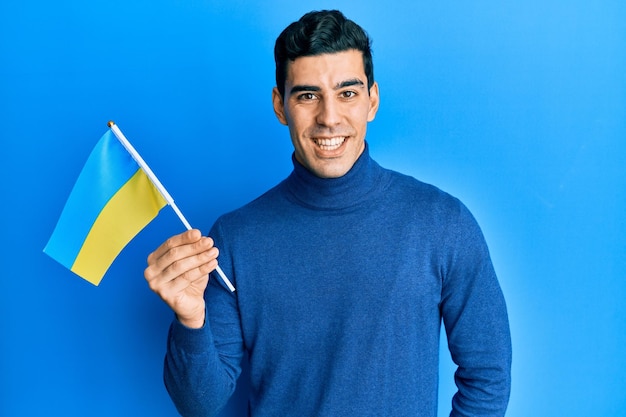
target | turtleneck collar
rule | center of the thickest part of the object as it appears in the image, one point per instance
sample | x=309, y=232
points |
x=335, y=193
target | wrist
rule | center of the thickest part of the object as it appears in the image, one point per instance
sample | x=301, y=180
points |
x=192, y=322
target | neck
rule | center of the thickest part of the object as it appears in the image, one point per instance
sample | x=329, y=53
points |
x=334, y=193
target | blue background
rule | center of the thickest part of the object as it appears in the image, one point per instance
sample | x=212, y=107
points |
x=518, y=108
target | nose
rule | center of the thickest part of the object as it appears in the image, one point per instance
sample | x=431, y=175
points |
x=329, y=113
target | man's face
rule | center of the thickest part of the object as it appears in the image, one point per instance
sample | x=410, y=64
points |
x=327, y=108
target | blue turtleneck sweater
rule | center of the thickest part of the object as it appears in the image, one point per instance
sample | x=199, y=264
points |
x=342, y=285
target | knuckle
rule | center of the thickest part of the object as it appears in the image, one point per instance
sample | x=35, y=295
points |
x=174, y=252
x=152, y=284
x=148, y=273
x=186, y=276
x=207, y=255
x=176, y=267
x=202, y=244
x=208, y=267
x=170, y=243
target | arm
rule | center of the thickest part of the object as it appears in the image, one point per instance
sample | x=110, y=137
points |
x=200, y=373
x=476, y=322
x=202, y=365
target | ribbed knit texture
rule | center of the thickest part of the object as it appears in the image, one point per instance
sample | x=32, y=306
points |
x=341, y=287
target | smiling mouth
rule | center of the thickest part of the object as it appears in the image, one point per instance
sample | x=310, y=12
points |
x=330, y=144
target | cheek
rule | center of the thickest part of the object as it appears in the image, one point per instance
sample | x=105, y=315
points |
x=297, y=132
x=360, y=116
x=298, y=121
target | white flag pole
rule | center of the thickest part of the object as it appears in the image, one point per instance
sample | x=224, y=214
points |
x=120, y=136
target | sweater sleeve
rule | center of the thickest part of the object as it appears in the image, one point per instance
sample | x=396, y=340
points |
x=476, y=322
x=202, y=365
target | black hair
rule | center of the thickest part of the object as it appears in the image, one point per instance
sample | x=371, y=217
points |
x=321, y=32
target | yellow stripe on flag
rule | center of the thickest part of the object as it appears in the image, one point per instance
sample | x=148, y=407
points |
x=135, y=205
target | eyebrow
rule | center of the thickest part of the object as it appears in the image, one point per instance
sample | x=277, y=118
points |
x=304, y=87
x=300, y=88
x=349, y=83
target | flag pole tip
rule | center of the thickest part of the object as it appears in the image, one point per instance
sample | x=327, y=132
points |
x=111, y=123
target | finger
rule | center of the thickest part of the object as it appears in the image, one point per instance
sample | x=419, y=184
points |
x=204, y=261
x=184, y=261
x=173, y=281
x=160, y=260
x=185, y=238
x=196, y=279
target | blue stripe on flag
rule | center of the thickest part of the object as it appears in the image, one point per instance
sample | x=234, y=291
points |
x=107, y=169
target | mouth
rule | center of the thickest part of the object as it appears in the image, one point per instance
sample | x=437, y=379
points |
x=330, y=144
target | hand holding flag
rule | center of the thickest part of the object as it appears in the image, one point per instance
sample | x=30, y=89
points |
x=115, y=196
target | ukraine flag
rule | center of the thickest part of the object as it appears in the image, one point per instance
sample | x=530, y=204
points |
x=112, y=200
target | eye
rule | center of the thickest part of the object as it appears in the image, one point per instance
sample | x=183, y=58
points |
x=348, y=94
x=306, y=97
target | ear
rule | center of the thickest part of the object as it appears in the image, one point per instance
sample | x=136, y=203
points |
x=374, y=102
x=279, y=106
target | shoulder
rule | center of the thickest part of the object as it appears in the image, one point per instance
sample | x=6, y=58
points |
x=442, y=214
x=267, y=205
x=421, y=195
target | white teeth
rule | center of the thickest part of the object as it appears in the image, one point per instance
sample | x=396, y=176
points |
x=330, y=144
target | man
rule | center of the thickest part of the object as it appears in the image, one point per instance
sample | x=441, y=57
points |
x=344, y=271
